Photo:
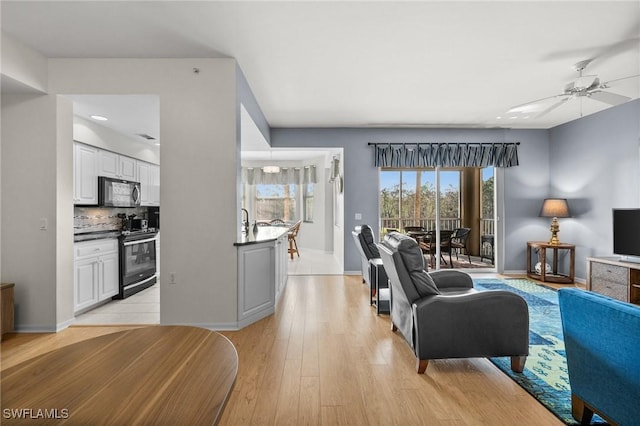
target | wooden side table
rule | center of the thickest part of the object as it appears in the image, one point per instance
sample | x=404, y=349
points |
x=554, y=276
x=6, y=308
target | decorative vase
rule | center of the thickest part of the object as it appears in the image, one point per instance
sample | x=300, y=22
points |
x=255, y=228
x=538, y=268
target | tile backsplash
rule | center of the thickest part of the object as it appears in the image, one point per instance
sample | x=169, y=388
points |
x=93, y=219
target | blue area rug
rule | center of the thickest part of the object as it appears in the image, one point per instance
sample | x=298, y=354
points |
x=545, y=373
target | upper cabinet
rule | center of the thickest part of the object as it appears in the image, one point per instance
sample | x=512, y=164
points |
x=90, y=162
x=85, y=174
x=149, y=175
x=117, y=166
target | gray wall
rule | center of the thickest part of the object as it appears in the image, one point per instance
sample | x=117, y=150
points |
x=199, y=150
x=524, y=188
x=595, y=164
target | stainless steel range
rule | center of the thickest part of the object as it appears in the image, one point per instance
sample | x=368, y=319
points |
x=137, y=261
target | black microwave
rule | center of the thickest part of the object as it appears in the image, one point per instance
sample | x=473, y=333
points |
x=118, y=192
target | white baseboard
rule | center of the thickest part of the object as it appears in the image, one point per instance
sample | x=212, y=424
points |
x=35, y=329
x=62, y=325
x=352, y=273
x=217, y=326
x=515, y=272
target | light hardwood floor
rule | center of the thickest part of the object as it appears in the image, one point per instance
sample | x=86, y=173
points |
x=325, y=358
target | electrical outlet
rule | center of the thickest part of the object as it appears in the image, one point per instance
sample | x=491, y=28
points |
x=172, y=278
x=358, y=216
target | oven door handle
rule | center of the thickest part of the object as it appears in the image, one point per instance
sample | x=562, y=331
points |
x=130, y=243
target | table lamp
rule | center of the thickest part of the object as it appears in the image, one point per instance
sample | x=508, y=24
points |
x=555, y=208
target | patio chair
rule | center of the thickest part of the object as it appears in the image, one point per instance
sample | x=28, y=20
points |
x=428, y=246
x=459, y=242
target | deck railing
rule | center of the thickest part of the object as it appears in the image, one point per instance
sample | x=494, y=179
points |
x=487, y=227
x=426, y=222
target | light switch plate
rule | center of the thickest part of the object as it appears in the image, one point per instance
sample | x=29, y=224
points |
x=358, y=216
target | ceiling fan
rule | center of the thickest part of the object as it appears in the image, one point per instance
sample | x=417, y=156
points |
x=585, y=86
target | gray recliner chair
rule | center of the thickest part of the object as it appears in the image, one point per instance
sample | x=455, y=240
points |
x=365, y=249
x=373, y=272
x=441, y=315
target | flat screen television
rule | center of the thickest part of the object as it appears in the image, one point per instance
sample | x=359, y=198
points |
x=626, y=234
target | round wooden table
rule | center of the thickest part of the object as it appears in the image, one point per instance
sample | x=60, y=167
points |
x=153, y=375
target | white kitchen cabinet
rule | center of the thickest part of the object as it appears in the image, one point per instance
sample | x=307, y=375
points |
x=144, y=176
x=108, y=281
x=149, y=178
x=86, y=284
x=95, y=272
x=128, y=168
x=118, y=166
x=155, y=185
x=256, y=286
x=262, y=273
x=85, y=174
x=282, y=267
x=109, y=164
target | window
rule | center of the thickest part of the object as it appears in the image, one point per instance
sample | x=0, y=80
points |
x=487, y=223
x=407, y=198
x=307, y=202
x=276, y=202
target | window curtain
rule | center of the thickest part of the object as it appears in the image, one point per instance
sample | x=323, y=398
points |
x=431, y=155
x=286, y=176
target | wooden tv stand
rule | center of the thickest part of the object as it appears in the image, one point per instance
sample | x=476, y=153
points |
x=614, y=278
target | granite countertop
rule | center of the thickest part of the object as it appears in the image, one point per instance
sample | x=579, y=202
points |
x=98, y=235
x=265, y=233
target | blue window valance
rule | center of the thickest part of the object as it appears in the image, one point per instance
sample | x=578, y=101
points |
x=430, y=155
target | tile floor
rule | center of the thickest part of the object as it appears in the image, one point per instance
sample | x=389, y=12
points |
x=314, y=262
x=144, y=307
x=141, y=308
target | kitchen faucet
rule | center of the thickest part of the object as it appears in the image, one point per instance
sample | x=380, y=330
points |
x=245, y=223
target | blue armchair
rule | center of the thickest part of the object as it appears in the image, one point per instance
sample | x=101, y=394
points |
x=602, y=342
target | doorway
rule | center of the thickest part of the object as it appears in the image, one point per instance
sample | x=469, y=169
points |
x=120, y=135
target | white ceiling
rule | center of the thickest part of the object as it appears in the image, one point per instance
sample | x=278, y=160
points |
x=374, y=64
x=131, y=115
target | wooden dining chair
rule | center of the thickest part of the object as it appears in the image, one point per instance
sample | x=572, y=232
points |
x=293, y=244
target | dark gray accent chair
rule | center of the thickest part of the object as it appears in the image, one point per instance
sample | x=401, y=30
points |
x=366, y=245
x=373, y=272
x=441, y=315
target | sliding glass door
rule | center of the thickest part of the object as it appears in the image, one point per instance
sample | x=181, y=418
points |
x=441, y=200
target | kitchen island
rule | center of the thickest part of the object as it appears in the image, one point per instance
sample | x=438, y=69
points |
x=262, y=272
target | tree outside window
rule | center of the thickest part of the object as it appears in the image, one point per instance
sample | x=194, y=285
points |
x=407, y=198
x=276, y=202
x=307, y=202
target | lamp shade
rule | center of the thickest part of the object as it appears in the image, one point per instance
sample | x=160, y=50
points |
x=555, y=207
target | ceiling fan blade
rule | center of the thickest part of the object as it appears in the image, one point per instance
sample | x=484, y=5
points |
x=552, y=107
x=529, y=106
x=606, y=84
x=608, y=97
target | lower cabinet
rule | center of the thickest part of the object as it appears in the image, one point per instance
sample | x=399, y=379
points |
x=96, y=272
x=256, y=282
x=611, y=277
x=282, y=268
x=262, y=276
